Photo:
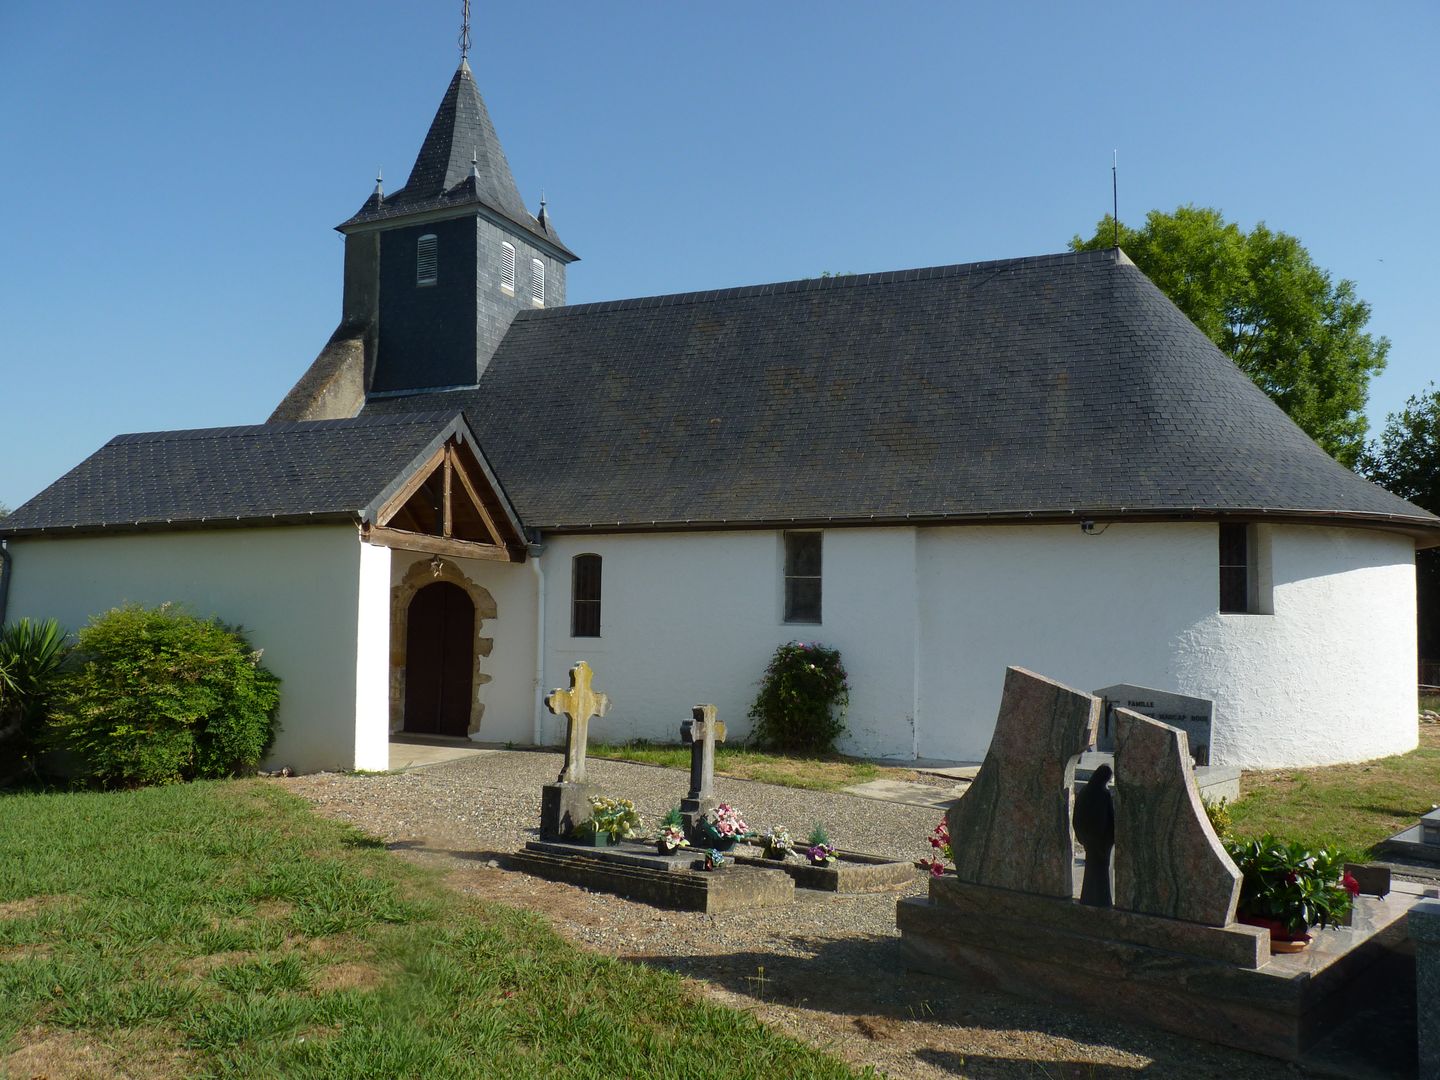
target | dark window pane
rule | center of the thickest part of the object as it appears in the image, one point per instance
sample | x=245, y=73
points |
x=802, y=554
x=1234, y=569
x=1234, y=589
x=585, y=596
x=585, y=619
x=1233, y=546
x=802, y=600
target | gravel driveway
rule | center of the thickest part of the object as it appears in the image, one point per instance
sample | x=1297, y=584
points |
x=827, y=969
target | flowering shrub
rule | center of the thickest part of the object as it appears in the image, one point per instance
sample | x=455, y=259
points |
x=802, y=699
x=1290, y=884
x=940, y=841
x=618, y=817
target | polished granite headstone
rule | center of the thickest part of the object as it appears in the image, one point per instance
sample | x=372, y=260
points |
x=1193, y=715
x=1168, y=860
x=1012, y=828
x=1424, y=930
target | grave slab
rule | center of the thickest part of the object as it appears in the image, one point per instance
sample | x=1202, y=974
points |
x=1215, y=782
x=627, y=873
x=1424, y=927
x=1411, y=844
x=1157, y=972
x=855, y=872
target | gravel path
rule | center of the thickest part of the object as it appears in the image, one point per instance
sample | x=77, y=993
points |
x=827, y=969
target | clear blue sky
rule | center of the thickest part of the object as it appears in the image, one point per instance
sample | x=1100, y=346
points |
x=173, y=170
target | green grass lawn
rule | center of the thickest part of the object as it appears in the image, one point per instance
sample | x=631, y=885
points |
x=813, y=774
x=223, y=929
x=1354, y=806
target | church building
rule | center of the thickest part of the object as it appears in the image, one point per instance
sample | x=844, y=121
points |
x=941, y=472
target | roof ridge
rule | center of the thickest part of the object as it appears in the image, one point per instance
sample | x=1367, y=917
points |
x=839, y=281
x=237, y=431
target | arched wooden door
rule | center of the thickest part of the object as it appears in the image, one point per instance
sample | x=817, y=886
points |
x=439, y=660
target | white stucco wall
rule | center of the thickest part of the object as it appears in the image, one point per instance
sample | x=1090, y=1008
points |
x=928, y=619
x=298, y=593
x=509, y=696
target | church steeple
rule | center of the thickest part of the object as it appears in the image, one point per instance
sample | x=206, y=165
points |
x=461, y=163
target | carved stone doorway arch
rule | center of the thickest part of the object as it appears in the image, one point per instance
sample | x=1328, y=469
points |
x=428, y=572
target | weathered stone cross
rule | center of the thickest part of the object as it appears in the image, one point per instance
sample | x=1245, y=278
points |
x=578, y=704
x=701, y=732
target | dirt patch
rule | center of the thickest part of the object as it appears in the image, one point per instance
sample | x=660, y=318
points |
x=47, y=1054
x=347, y=976
x=31, y=905
x=203, y=965
x=27, y=952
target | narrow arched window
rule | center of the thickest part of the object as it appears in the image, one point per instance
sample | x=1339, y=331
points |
x=537, y=282
x=507, y=266
x=585, y=596
x=425, y=260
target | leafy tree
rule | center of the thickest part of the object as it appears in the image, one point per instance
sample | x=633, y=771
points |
x=4, y=510
x=1406, y=460
x=1261, y=298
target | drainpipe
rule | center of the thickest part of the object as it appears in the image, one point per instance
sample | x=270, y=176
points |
x=535, y=551
x=7, y=568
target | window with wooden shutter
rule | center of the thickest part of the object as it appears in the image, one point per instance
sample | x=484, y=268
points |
x=507, y=266
x=425, y=259
x=537, y=282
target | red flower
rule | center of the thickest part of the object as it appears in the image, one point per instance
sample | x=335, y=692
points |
x=1351, y=885
x=1291, y=878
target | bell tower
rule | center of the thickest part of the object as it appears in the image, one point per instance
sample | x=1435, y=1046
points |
x=435, y=272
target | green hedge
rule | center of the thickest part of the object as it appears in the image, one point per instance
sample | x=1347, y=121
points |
x=154, y=696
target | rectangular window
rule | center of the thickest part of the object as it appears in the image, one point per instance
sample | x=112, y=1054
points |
x=585, y=596
x=802, y=577
x=1237, y=569
x=537, y=282
x=425, y=260
x=507, y=267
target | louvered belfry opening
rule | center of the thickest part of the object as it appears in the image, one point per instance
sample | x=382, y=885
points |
x=426, y=260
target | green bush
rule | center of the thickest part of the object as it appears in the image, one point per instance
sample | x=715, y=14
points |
x=802, y=700
x=30, y=658
x=159, y=695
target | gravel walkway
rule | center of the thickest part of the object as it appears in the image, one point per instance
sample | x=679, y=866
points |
x=827, y=969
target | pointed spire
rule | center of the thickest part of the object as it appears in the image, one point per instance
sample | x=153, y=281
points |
x=380, y=185
x=475, y=165
x=543, y=217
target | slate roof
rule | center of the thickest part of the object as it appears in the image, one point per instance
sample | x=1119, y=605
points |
x=461, y=141
x=310, y=471
x=1023, y=389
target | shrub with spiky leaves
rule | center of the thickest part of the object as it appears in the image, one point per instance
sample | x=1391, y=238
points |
x=158, y=695
x=30, y=657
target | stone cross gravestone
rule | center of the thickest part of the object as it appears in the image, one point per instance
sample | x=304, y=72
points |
x=578, y=704
x=566, y=803
x=1192, y=715
x=701, y=732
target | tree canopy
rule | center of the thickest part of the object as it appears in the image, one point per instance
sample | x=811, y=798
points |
x=1260, y=297
x=1406, y=457
x=1406, y=460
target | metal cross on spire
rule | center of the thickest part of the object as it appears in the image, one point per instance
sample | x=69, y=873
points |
x=464, y=30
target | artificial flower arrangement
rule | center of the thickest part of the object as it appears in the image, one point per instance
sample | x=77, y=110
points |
x=672, y=834
x=940, y=841
x=721, y=827
x=1289, y=888
x=821, y=852
x=778, y=844
x=713, y=859
x=616, y=818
